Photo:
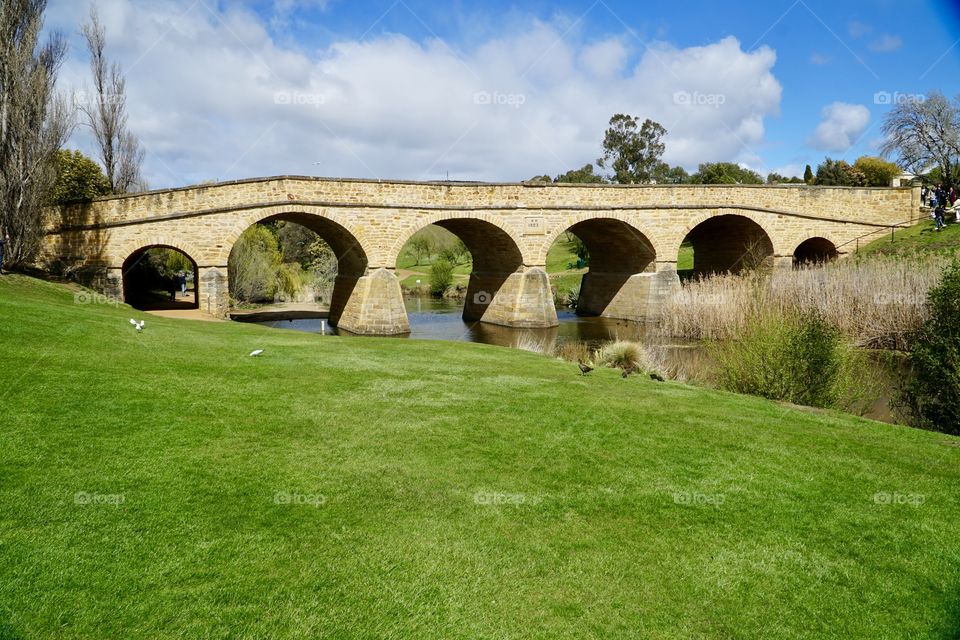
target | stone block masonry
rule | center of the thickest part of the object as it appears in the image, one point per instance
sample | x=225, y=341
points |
x=633, y=233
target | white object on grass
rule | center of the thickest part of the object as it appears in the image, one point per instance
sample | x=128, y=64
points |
x=137, y=325
x=256, y=352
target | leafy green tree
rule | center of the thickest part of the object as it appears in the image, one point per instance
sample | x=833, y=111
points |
x=544, y=178
x=933, y=393
x=935, y=176
x=79, y=179
x=839, y=173
x=176, y=262
x=663, y=173
x=441, y=276
x=583, y=175
x=724, y=173
x=456, y=253
x=808, y=175
x=632, y=150
x=254, y=262
x=421, y=247
x=877, y=171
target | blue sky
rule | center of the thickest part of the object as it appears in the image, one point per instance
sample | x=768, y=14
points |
x=503, y=91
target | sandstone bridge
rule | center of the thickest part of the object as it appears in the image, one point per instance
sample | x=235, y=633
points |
x=633, y=233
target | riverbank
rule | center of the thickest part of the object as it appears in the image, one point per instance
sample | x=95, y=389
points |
x=167, y=483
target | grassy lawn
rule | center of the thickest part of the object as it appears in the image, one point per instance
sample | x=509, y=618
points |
x=560, y=257
x=461, y=272
x=165, y=484
x=920, y=238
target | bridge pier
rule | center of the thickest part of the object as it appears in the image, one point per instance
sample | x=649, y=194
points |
x=213, y=287
x=374, y=306
x=521, y=299
x=626, y=296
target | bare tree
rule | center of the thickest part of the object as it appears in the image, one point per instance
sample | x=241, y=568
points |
x=923, y=133
x=34, y=124
x=105, y=113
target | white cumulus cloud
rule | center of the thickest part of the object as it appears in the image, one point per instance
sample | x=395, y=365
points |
x=213, y=95
x=842, y=125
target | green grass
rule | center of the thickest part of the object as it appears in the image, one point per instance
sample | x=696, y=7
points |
x=592, y=536
x=559, y=258
x=920, y=238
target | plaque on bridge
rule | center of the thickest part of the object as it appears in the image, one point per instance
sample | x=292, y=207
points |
x=535, y=226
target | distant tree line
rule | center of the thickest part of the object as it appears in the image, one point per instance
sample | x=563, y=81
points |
x=923, y=136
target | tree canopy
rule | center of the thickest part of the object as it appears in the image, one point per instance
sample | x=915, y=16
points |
x=724, y=173
x=78, y=179
x=922, y=134
x=632, y=150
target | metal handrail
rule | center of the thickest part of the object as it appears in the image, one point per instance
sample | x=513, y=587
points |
x=891, y=227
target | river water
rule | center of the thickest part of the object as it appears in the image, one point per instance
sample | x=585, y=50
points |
x=434, y=319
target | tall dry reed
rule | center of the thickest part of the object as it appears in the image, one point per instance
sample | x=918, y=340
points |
x=877, y=302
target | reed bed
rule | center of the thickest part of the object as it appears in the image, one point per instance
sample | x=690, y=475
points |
x=876, y=302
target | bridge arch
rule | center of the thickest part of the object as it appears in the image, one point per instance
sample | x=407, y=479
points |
x=508, y=243
x=815, y=250
x=619, y=253
x=342, y=237
x=144, y=288
x=498, y=263
x=729, y=241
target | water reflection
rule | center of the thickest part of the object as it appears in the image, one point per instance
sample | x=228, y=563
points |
x=432, y=319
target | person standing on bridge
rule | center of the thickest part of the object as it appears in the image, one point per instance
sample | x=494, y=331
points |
x=182, y=277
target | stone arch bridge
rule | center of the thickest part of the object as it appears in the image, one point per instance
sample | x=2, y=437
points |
x=633, y=233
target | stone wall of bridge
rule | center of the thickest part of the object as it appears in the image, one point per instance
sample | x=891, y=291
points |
x=633, y=232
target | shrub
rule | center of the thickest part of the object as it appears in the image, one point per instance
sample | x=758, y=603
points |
x=289, y=281
x=621, y=354
x=254, y=261
x=932, y=394
x=801, y=359
x=573, y=351
x=441, y=276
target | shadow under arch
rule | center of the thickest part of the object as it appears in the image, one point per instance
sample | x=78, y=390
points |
x=729, y=243
x=352, y=260
x=145, y=289
x=496, y=257
x=814, y=251
x=618, y=252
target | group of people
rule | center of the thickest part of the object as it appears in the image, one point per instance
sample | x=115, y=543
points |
x=940, y=199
